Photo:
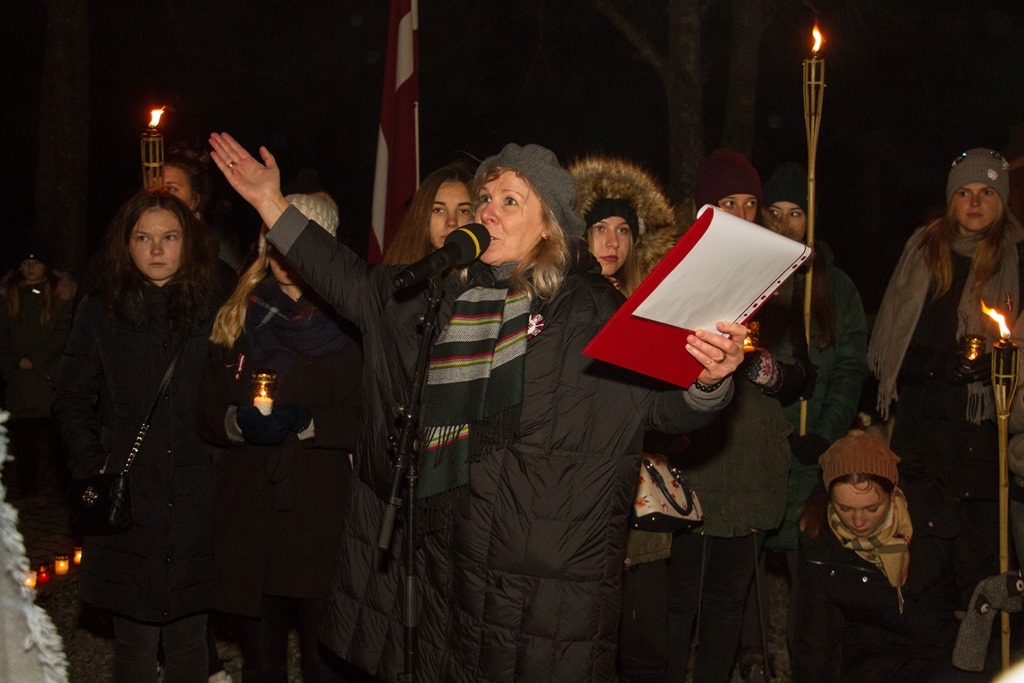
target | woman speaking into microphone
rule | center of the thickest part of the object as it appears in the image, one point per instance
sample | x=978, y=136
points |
x=530, y=449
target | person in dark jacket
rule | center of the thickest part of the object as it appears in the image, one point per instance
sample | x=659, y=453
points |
x=881, y=573
x=532, y=452
x=738, y=465
x=35, y=320
x=160, y=293
x=944, y=409
x=280, y=495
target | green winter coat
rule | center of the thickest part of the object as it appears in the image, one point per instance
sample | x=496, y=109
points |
x=841, y=370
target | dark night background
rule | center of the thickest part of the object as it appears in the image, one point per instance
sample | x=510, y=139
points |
x=909, y=86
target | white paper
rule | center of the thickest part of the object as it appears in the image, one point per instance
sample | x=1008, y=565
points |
x=727, y=275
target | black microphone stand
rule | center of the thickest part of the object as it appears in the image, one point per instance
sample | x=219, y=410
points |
x=407, y=469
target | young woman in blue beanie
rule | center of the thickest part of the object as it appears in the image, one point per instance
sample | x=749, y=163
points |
x=531, y=449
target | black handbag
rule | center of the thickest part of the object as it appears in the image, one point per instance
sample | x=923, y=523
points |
x=101, y=505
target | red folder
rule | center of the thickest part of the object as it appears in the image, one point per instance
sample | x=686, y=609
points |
x=658, y=349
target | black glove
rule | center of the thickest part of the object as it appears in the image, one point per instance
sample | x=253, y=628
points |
x=270, y=430
x=957, y=369
x=808, y=448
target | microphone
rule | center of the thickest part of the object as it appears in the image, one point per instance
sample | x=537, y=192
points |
x=461, y=247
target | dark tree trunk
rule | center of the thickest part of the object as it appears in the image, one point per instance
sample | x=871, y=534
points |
x=63, y=164
x=685, y=95
x=747, y=25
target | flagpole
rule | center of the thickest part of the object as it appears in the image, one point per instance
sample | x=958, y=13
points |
x=396, y=171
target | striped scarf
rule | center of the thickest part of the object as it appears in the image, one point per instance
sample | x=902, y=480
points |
x=474, y=385
x=888, y=548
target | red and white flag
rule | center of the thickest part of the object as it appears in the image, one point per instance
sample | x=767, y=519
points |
x=397, y=171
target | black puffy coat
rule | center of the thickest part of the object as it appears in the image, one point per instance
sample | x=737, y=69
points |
x=279, y=510
x=525, y=583
x=162, y=568
x=848, y=623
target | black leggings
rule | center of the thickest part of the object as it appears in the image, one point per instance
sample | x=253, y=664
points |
x=264, y=642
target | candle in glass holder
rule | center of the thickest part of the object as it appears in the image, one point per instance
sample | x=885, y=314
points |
x=973, y=346
x=61, y=564
x=751, y=341
x=43, y=574
x=30, y=579
x=264, y=383
x=76, y=558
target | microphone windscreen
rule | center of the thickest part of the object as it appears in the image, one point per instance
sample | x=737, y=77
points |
x=472, y=240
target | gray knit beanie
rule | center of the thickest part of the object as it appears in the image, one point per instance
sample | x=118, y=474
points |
x=980, y=165
x=540, y=167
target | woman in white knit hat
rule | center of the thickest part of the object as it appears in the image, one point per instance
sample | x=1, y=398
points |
x=280, y=496
x=943, y=402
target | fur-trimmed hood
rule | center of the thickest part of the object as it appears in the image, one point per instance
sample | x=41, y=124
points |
x=599, y=177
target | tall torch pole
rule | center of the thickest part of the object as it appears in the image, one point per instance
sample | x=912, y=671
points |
x=1004, y=383
x=814, y=92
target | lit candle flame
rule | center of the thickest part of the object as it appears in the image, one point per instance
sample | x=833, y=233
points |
x=1004, y=331
x=155, y=114
x=816, y=32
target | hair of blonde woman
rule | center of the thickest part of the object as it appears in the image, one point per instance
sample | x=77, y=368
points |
x=412, y=239
x=541, y=272
x=230, y=319
x=938, y=238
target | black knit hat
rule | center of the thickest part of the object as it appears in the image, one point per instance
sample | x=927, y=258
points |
x=609, y=206
x=540, y=166
x=32, y=247
x=787, y=184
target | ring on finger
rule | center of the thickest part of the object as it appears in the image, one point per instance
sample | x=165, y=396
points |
x=722, y=359
x=231, y=164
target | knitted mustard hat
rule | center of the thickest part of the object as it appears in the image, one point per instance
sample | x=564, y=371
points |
x=980, y=165
x=723, y=173
x=858, y=452
x=540, y=166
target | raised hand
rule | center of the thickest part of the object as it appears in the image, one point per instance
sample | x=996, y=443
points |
x=257, y=183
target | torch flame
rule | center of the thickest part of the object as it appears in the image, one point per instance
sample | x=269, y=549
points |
x=156, y=113
x=1004, y=331
x=817, y=38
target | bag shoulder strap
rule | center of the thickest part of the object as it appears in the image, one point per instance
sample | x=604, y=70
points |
x=152, y=408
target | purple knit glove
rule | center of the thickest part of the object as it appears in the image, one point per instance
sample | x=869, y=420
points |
x=761, y=369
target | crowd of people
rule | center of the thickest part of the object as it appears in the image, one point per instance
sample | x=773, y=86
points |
x=513, y=555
